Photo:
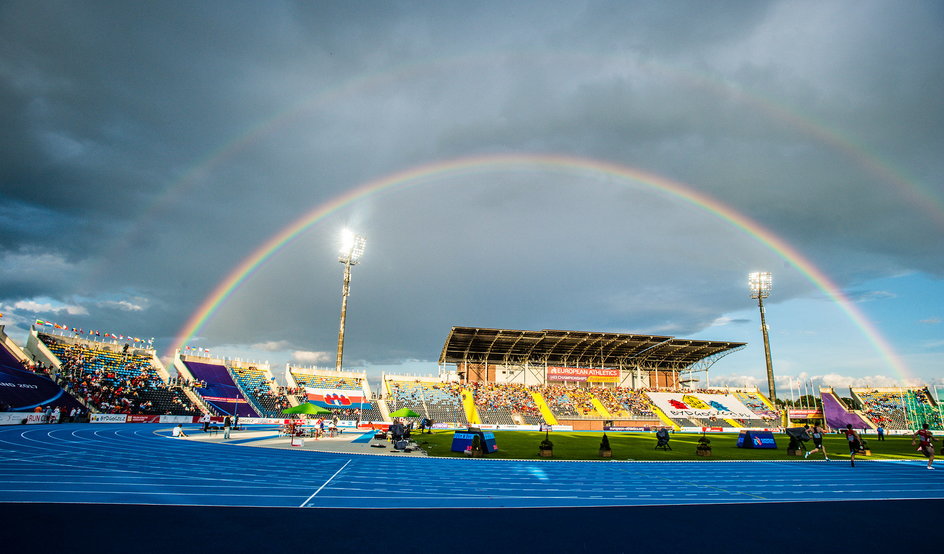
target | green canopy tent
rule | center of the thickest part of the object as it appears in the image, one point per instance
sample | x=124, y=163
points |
x=404, y=412
x=307, y=408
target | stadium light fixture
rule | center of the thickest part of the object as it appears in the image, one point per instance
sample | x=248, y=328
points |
x=352, y=248
x=760, y=284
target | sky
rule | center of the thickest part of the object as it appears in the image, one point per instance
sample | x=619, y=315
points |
x=183, y=171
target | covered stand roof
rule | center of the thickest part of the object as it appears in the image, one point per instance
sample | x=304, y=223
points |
x=580, y=349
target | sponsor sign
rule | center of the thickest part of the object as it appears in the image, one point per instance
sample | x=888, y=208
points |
x=15, y=418
x=108, y=418
x=223, y=400
x=725, y=406
x=144, y=419
x=756, y=439
x=337, y=398
x=709, y=429
x=175, y=419
x=624, y=428
x=498, y=427
x=462, y=441
x=806, y=414
x=582, y=374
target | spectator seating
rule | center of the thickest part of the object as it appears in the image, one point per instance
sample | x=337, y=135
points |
x=219, y=390
x=255, y=383
x=115, y=381
x=440, y=401
x=899, y=409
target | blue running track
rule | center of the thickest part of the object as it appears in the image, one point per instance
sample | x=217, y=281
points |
x=139, y=465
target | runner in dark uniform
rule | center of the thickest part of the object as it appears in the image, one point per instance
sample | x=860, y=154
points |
x=817, y=435
x=855, y=443
x=927, y=444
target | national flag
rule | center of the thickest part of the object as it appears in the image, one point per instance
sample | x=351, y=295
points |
x=337, y=398
x=40, y=322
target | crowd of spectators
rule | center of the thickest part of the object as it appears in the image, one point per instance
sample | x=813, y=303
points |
x=513, y=397
x=884, y=408
x=621, y=401
x=899, y=409
x=115, y=382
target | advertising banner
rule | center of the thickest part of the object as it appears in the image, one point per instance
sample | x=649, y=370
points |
x=701, y=405
x=582, y=374
x=625, y=428
x=499, y=427
x=756, y=439
x=338, y=398
x=108, y=418
x=175, y=419
x=223, y=400
x=144, y=419
x=799, y=413
x=18, y=418
x=462, y=441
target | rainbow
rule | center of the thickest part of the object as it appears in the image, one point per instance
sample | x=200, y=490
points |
x=529, y=162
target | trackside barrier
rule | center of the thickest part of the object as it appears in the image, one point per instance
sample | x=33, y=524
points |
x=19, y=418
x=108, y=418
x=126, y=418
x=724, y=429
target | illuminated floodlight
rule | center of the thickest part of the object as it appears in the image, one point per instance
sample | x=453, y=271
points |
x=760, y=283
x=352, y=247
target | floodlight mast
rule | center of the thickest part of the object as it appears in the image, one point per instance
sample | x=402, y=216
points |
x=760, y=284
x=352, y=248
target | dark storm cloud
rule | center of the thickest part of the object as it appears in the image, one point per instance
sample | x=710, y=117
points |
x=148, y=148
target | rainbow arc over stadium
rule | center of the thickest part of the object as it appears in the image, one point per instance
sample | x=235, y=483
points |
x=530, y=162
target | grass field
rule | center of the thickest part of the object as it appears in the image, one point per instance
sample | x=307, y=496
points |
x=641, y=446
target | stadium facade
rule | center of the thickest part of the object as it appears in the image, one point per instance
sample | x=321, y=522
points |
x=578, y=358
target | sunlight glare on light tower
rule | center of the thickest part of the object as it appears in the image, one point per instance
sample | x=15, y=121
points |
x=760, y=282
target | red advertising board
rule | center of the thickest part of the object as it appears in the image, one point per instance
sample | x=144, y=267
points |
x=593, y=375
x=144, y=419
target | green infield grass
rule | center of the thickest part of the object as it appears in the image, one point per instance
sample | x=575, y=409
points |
x=641, y=446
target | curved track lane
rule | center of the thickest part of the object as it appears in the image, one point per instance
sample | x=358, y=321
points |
x=140, y=464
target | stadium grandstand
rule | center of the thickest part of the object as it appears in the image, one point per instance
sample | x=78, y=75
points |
x=26, y=385
x=838, y=414
x=258, y=386
x=216, y=384
x=427, y=396
x=899, y=408
x=346, y=393
x=105, y=376
x=586, y=380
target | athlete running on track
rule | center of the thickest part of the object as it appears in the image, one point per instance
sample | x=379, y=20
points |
x=817, y=435
x=855, y=442
x=927, y=443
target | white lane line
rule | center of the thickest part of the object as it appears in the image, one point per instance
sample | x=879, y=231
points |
x=307, y=500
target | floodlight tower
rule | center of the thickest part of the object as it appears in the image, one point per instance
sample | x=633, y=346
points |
x=760, y=284
x=352, y=248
